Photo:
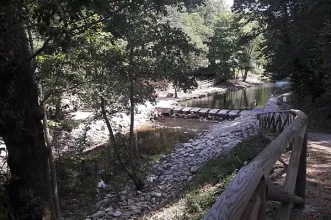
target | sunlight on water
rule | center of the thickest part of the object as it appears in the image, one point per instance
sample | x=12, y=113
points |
x=256, y=96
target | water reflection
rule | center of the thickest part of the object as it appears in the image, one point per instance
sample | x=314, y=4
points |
x=256, y=96
x=187, y=125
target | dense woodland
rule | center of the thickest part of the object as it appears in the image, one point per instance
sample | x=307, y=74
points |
x=114, y=54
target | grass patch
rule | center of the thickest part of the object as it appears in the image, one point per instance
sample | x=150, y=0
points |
x=216, y=174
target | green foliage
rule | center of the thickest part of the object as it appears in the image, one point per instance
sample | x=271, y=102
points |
x=296, y=40
x=193, y=25
x=223, y=44
x=233, y=48
x=216, y=174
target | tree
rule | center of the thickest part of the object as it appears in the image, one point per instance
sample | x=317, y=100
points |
x=55, y=24
x=291, y=50
x=20, y=122
x=222, y=46
x=153, y=51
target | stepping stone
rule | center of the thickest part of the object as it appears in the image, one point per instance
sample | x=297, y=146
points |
x=195, y=110
x=213, y=111
x=177, y=109
x=223, y=113
x=186, y=110
x=163, y=111
x=234, y=113
x=203, y=111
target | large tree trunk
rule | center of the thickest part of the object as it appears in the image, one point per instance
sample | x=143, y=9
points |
x=20, y=124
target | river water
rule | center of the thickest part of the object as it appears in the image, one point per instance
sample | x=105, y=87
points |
x=249, y=98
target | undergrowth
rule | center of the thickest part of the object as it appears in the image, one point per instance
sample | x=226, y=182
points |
x=216, y=174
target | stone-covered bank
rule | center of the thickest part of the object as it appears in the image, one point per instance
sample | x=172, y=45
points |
x=174, y=171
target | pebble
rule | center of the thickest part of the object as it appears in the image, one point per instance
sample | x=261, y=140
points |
x=117, y=213
x=109, y=209
x=156, y=194
x=179, y=168
x=98, y=214
x=194, y=169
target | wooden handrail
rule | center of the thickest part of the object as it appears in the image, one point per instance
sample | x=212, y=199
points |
x=208, y=82
x=240, y=199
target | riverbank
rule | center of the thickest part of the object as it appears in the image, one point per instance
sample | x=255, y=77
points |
x=168, y=95
x=173, y=172
x=170, y=176
x=95, y=133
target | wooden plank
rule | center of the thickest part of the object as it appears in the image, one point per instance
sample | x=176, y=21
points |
x=291, y=175
x=300, y=188
x=255, y=210
x=186, y=110
x=213, y=111
x=275, y=194
x=233, y=201
x=204, y=111
x=195, y=110
x=262, y=192
x=177, y=109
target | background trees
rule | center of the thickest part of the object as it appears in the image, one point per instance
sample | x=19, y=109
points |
x=53, y=27
x=296, y=42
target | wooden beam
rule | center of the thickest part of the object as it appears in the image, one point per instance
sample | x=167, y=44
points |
x=291, y=176
x=263, y=195
x=255, y=210
x=300, y=188
x=274, y=193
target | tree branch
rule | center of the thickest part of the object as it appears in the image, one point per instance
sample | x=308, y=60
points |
x=48, y=95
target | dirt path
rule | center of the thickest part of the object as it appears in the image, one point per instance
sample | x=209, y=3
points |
x=318, y=200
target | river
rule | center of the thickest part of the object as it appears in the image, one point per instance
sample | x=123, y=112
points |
x=256, y=96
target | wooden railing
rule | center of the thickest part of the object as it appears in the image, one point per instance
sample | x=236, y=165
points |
x=209, y=82
x=246, y=195
x=276, y=121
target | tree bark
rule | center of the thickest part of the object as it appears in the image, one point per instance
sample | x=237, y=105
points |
x=20, y=123
x=131, y=117
x=58, y=112
x=51, y=161
x=115, y=143
x=245, y=75
x=110, y=130
x=176, y=95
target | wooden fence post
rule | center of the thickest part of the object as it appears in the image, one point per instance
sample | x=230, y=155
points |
x=300, y=187
x=292, y=173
